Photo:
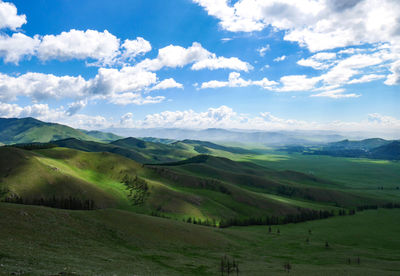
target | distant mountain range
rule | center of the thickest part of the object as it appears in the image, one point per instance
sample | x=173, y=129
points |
x=222, y=135
x=374, y=148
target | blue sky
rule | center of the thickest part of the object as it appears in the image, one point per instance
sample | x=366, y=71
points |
x=250, y=64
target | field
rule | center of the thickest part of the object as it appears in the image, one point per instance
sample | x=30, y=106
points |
x=44, y=241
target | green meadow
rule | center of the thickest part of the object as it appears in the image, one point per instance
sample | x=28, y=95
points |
x=44, y=241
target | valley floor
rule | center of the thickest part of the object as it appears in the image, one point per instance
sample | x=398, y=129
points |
x=43, y=241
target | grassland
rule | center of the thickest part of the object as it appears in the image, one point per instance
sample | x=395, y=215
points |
x=44, y=241
x=122, y=239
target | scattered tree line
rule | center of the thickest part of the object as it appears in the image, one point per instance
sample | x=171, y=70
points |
x=70, y=203
x=137, y=187
x=303, y=215
x=374, y=207
x=228, y=266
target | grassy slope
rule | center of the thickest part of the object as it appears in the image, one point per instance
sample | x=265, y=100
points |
x=65, y=172
x=28, y=130
x=102, y=136
x=250, y=176
x=106, y=242
x=353, y=175
x=154, y=151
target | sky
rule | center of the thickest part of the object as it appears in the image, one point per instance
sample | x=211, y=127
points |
x=245, y=64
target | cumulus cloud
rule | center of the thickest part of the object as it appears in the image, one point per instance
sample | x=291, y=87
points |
x=16, y=47
x=76, y=44
x=100, y=48
x=214, y=63
x=317, y=25
x=73, y=108
x=133, y=48
x=167, y=83
x=226, y=117
x=38, y=86
x=298, y=83
x=176, y=56
x=394, y=77
x=119, y=86
x=235, y=80
x=9, y=18
x=213, y=117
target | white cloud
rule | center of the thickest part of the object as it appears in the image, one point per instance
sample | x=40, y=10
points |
x=335, y=94
x=367, y=78
x=226, y=117
x=127, y=119
x=9, y=18
x=40, y=86
x=236, y=81
x=319, y=61
x=73, y=108
x=176, y=56
x=298, y=83
x=263, y=49
x=75, y=44
x=318, y=25
x=167, y=83
x=135, y=98
x=99, y=48
x=394, y=77
x=133, y=48
x=14, y=48
x=213, y=117
x=123, y=86
x=214, y=63
x=281, y=58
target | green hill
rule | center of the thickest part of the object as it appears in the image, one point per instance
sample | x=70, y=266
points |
x=252, y=177
x=101, y=136
x=91, y=146
x=155, y=152
x=365, y=144
x=389, y=151
x=109, y=180
x=28, y=130
x=114, y=242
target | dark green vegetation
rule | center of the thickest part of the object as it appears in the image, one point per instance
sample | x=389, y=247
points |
x=29, y=130
x=370, y=148
x=107, y=242
x=132, y=196
x=102, y=136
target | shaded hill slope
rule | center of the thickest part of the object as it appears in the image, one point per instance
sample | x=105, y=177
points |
x=28, y=130
x=250, y=176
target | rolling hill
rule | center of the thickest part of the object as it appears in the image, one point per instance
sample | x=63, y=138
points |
x=28, y=130
x=101, y=136
x=203, y=187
